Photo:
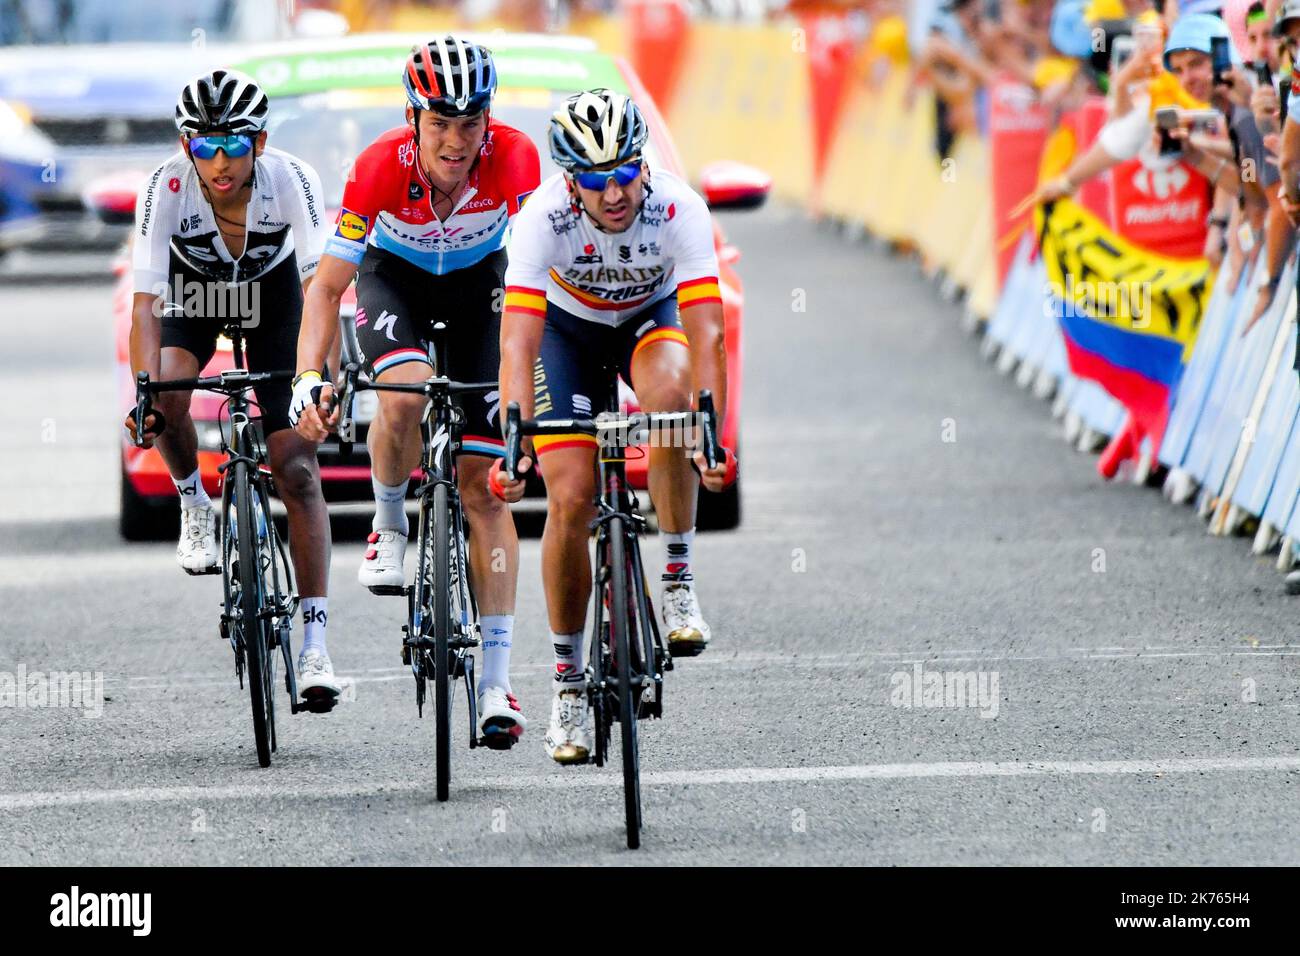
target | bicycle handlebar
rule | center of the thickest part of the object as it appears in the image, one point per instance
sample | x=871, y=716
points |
x=354, y=381
x=612, y=424
x=230, y=382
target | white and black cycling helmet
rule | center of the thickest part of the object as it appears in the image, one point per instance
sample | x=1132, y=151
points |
x=224, y=101
x=596, y=128
x=450, y=77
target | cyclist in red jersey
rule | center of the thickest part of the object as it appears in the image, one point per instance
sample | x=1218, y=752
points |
x=423, y=228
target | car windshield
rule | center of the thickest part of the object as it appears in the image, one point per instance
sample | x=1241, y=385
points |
x=357, y=117
x=48, y=22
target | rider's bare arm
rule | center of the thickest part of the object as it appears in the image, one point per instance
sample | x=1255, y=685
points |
x=521, y=341
x=705, y=331
x=319, y=335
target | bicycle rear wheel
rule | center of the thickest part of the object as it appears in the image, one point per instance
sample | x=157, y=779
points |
x=624, y=670
x=252, y=626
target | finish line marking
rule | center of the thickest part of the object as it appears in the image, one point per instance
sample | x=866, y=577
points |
x=739, y=776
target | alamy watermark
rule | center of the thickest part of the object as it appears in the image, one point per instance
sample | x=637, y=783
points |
x=923, y=688
x=72, y=690
x=233, y=301
x=1102, y=299
x=664, y=430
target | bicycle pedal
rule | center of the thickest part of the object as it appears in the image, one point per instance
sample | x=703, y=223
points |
x=203, y=572
x=388, y=590
x=498, y=735
x=685, y=649
x=318, y=700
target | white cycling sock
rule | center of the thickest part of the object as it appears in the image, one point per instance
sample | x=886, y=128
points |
x=192, y=492
x=497, y=632
x=568, y=660
x=677, y=555
x=390, y=506
x=313, y=624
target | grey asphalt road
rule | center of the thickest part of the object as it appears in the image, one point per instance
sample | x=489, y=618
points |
x=909, y=515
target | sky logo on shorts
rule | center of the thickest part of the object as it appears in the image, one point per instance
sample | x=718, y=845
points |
x=352, y=226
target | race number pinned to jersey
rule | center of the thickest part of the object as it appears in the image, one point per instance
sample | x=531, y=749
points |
x=352, y=226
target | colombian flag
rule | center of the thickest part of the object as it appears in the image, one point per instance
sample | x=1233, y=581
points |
x=1129, y=316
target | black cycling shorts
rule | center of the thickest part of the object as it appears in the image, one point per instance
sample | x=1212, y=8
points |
x=269, y=312
x=397, y=304
x=572, y=378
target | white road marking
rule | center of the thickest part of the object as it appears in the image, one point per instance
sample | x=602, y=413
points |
x=865, y=658
x=738, y=776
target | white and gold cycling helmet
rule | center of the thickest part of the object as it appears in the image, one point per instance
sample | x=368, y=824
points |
x=596, y=128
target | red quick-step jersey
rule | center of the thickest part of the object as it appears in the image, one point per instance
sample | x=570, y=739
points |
x=388, y=202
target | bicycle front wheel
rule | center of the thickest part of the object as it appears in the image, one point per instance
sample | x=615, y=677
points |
x=252, y=627
x=442, y=634
x=620, y=586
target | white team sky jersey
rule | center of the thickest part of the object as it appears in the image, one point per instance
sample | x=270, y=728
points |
x=610, y=277
x=284, y=216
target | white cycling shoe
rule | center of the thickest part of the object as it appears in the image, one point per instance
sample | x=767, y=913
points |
x=382, y=565
x=500, y=721
x=316, y=681
x=568, y=740
x=196, y=551
x=688, y=634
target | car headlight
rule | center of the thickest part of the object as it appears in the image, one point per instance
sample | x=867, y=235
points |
x=19, y=139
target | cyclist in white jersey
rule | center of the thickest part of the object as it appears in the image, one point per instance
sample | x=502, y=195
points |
x=612, y=266
x=229, y=232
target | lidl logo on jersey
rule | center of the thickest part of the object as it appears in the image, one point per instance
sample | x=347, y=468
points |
x=352, y=226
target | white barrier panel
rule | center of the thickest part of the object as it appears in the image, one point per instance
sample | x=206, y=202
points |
x=1035, y=312
x=1253, y=371
x=1281, y=510
x=1194, y=386
x=1015, y=297
x=1272, y=430
x=1201, y=449
x=1097, y=408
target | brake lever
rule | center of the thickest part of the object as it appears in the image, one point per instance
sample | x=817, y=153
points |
x=708, y=429
x=142, y=407
x=343, y=399
x=512, y=440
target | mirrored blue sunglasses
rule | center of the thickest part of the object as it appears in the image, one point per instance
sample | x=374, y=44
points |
x=205, y=147
x=599, y=180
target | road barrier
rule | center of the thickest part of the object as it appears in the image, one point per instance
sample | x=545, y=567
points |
x=1231, y=443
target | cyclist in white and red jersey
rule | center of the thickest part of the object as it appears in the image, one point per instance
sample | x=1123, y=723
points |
x=423, y=228
x=612, y=266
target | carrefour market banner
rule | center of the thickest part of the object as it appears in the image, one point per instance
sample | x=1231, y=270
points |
x=1129, y=316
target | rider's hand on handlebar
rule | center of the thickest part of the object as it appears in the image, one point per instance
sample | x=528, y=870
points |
x=502, y=486
x=714, y=479
x=150, y=428
x=316, y=419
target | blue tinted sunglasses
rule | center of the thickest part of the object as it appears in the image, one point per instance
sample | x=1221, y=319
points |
x=599, y=180
x=205, y=147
